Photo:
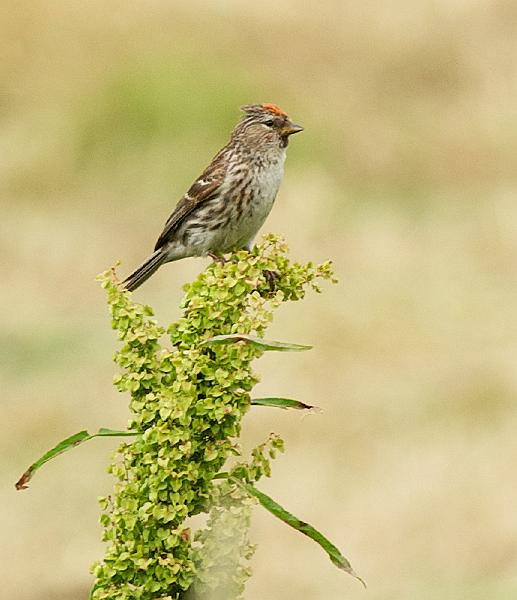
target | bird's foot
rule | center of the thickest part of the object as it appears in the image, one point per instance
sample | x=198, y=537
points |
x=271, y=277
x=217, y=258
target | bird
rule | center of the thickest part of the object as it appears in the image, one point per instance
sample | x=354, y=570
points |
x=228, y=203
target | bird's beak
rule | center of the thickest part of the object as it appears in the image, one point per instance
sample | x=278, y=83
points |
x=291, y=128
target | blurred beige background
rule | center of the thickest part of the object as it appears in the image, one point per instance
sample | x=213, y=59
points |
x=405, y=176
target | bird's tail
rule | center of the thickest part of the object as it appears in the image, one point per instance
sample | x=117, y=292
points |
x=145, y=270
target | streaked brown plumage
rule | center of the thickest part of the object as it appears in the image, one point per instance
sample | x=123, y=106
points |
x=226, y=206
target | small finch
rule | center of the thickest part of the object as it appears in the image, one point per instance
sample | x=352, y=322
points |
x=227, y=205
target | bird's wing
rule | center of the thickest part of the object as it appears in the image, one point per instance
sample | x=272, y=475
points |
x=204, y=188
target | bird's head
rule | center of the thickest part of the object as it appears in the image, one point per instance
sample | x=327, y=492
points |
x=266, y=126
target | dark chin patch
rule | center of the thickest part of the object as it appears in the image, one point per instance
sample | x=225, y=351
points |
x=284, y=140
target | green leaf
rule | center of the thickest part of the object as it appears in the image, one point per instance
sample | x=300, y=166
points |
x=283, y=403
x=92, y=591
x=64, y=446
x=275, y=509
x=260, y=343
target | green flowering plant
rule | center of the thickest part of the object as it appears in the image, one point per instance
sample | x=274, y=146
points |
x=190, y=386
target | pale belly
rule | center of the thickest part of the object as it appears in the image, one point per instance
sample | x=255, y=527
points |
x=216, y=230
x=235, y=229
x=241, y=232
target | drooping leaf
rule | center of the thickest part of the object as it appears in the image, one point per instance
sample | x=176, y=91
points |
x=64, y=446
x=255, y=341
x=283, y=403
x=278, y=511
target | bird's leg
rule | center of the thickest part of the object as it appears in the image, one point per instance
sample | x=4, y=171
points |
x=271, y=277
x=217, y=258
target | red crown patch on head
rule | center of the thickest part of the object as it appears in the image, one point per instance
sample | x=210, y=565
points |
x=273, y=108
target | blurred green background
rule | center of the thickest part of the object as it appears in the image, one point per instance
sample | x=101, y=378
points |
x=405, y=175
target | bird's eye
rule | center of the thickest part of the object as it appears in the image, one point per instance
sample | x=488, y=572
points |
x=269, y=122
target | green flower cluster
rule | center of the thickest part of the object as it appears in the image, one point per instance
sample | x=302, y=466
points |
x=188, y=398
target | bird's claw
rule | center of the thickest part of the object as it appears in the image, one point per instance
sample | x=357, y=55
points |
x=217, y=258
x=271, y=277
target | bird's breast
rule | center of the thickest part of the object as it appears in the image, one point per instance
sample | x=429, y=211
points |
x=267, y=180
